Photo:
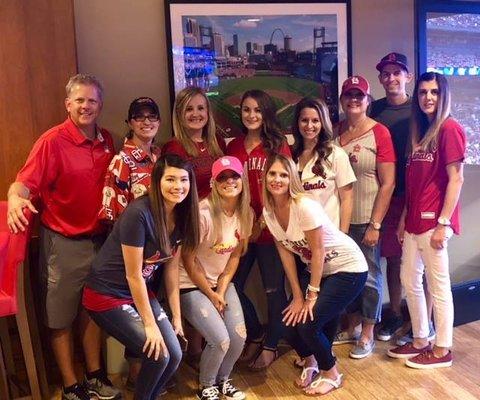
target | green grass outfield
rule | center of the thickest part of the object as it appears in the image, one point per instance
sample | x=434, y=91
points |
x=226, y=113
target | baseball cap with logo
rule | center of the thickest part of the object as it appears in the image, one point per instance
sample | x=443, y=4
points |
x=142, y=103
x=393, y=58
x=356, y=82
x=226, y=163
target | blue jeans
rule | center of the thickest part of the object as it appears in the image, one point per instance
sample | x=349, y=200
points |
x=273, y=279
x=369, y=302
x=316, y=337
x=125, y=324
x=225, y=336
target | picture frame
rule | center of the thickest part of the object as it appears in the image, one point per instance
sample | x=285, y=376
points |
x=290, y=50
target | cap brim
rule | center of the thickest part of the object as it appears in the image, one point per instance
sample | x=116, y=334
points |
x=381, y=64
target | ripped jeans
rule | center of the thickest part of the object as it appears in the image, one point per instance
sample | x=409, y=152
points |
x=125, y=324
x=225, y=336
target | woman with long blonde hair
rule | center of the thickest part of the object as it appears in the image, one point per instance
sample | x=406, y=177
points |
x=334, y=275
x=195, y=135
x=431, y=216
x=209, y=300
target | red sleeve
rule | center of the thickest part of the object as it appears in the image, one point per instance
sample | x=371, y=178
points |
x=452, y=142
x=383, y=140
x=173, y=146
x=116, y=190
x=233, y=147
x=39, y=169
x=285, y=149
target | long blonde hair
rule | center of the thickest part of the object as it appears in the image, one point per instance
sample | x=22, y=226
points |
x=295, y=188
x=209, y=130
x=243, y=210
x=422, y=132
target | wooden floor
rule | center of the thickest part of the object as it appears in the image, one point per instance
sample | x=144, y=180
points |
x=376, y=377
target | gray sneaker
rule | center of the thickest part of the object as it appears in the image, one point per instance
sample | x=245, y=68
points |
x=345, y=337
x=103, y=389
x=408, y=337
x=362, y=350
x=79, y=392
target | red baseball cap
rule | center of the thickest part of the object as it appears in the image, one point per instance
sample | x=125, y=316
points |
x=356, y=82
x=226, y=163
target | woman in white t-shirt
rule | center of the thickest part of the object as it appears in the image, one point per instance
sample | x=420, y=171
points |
x=324, y=167
x=208, y=298
x=335, y=274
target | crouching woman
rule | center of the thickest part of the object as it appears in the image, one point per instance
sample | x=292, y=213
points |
x=335, y=274
x=208, y=298
x=147, y=236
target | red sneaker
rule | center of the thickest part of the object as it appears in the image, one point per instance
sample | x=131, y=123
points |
x=407, y=351
x=427, y=360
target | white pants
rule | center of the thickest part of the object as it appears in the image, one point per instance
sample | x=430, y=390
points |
x=418, y=256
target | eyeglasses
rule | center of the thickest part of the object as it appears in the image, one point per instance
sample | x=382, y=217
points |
x=142, y=118
x=354, y=95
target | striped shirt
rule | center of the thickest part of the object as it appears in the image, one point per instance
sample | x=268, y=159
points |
x=374, y=146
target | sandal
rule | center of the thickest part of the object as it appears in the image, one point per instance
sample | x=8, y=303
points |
x=335, y=384
x=248, y=355
x=306, y=377
x=254, y=365
x=299, y=362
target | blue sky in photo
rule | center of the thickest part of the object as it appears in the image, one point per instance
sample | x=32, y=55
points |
x=299, y=27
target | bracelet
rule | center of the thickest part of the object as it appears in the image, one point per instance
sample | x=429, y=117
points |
x=313, y=288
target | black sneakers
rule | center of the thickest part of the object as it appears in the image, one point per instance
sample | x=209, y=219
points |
x=77, y=392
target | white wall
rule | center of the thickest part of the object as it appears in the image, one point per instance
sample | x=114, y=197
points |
x=123, y=43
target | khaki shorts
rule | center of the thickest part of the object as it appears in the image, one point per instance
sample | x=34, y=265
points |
x=64, y=266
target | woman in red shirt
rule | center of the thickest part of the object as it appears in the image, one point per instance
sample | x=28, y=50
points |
x=195, y=135
x=434, y=179
x=129, y=173
x=262, y=139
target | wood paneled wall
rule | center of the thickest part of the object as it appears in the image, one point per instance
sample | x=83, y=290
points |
x=37, y=56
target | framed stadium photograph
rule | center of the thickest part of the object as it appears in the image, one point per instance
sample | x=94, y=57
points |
x=290, y=50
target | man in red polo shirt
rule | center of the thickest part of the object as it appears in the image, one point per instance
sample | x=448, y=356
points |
x=64, y=176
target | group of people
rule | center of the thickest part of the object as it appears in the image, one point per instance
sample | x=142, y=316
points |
x=189, y=221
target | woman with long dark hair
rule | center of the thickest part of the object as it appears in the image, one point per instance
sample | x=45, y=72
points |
x=262, y=138
x=147, y=236
x=324, y=167
x=431, y=216
x=334, y=275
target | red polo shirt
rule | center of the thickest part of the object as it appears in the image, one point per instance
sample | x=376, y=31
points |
x=66, y=171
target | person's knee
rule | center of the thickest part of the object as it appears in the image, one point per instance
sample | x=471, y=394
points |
x=221, y=344
x=240, y=333
x=175, y=355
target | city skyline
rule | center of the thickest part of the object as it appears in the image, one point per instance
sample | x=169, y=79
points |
x=258, y=29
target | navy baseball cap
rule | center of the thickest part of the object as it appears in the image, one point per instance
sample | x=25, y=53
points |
x=393, y=58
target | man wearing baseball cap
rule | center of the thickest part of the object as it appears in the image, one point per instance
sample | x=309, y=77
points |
x=394, y=111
